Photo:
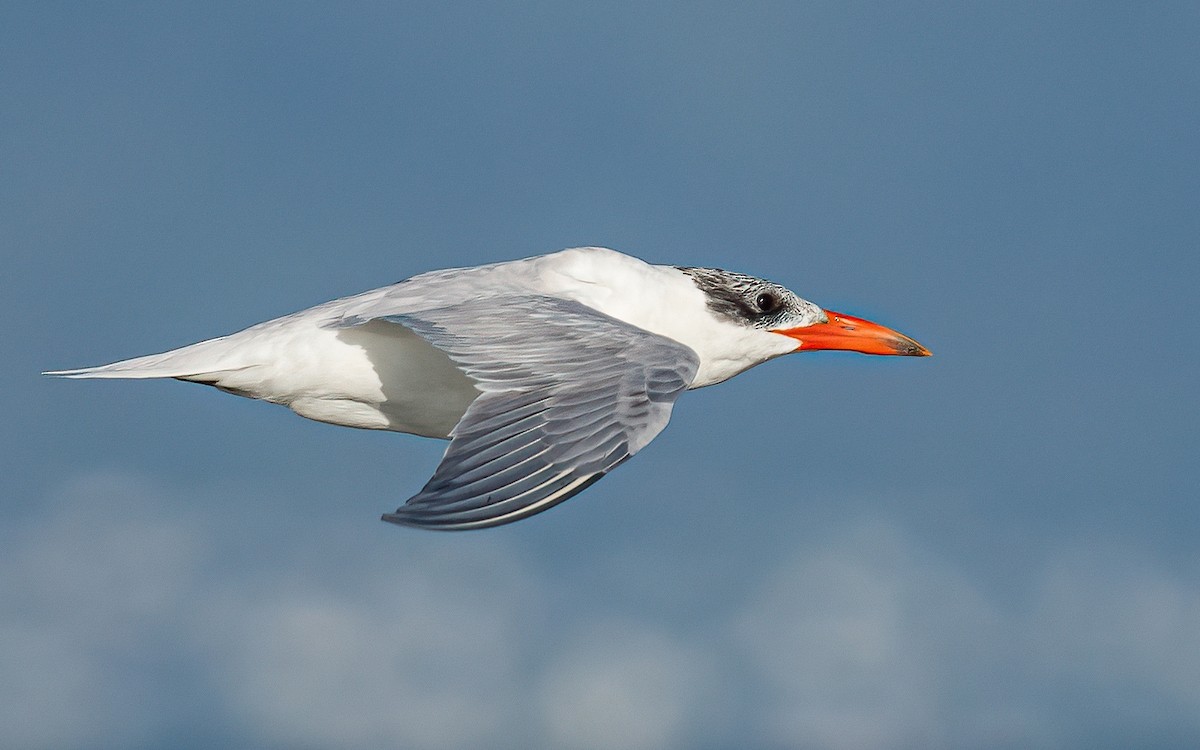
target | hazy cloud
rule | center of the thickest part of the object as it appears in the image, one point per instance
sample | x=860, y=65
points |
x=124, y=620
x=90, y=592
x=869, y=642
x=624, y=684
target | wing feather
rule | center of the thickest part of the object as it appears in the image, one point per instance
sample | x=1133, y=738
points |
x=567, y=393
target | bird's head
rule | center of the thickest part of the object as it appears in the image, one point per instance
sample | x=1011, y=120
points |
x=766, y=306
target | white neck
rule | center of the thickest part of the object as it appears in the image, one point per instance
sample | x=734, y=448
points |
x=663, y=300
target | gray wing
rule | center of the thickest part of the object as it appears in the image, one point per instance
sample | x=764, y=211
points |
x=567, y=393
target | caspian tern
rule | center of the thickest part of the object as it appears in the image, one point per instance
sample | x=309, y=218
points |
x=544, y=373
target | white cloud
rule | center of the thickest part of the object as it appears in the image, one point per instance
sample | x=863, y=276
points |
x=83, y=593
x=120, y=579
x=129, y=617
x=621, y=684
x=422, y=641
x=854, y=637
x=1107, y=617
x=867, y=642
x=411, y=657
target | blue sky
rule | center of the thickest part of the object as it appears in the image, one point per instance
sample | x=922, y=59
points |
x=994, y=547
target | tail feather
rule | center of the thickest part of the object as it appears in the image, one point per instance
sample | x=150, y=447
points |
x=188, y=362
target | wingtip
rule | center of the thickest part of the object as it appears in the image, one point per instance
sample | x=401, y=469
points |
x=402, y=519
x=425, y=515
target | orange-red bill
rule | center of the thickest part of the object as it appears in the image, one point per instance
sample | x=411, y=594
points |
x=848, y=333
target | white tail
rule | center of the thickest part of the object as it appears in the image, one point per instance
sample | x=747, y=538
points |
x=188, y=362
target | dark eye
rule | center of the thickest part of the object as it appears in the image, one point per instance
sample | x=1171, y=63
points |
x=766, y=302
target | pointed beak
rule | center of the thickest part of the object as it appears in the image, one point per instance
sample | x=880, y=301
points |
x=852, y=334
